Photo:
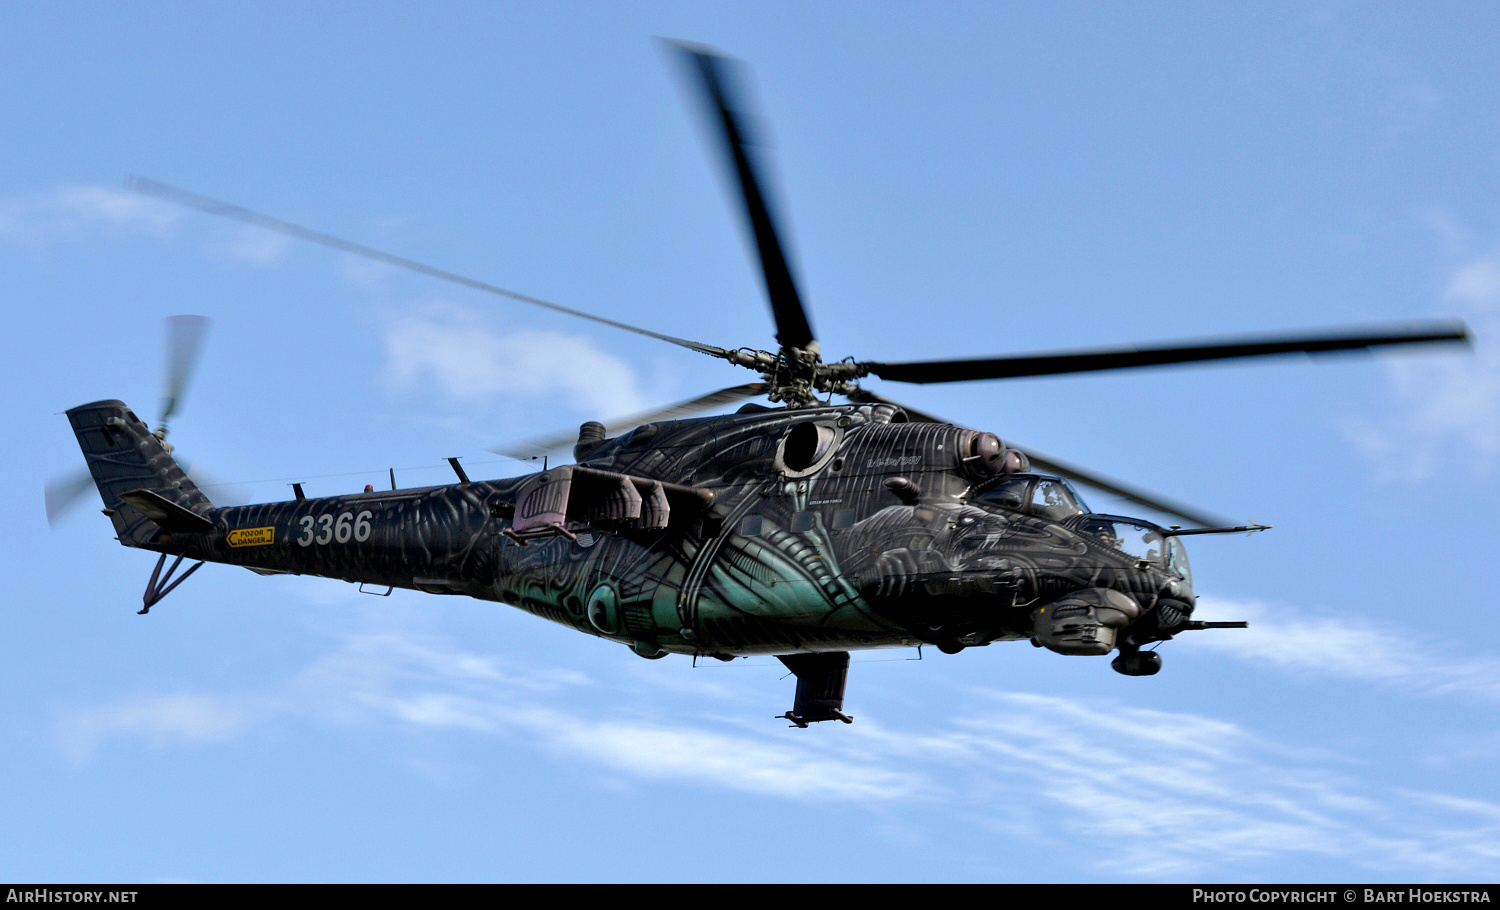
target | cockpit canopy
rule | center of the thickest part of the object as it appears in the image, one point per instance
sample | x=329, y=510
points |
x=1046, y=497
x=1142, y=540
x=1133, y=538
x=1055, y=499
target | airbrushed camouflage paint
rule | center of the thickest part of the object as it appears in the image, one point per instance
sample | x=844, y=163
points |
x=802, y=532
x=805, y=545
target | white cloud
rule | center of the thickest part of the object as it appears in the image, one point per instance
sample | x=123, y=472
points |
x=422, y=684
x=1445, y=405
x=365, y=274
x=467, y=358
x=73, y=212
x=417, y=683
x=76, y=212
x=1118, y=790
x=162, y=719
x=1169, y=794
x=1477, y=283
x=738, y=762
x=242, y=243
x=1345, y=647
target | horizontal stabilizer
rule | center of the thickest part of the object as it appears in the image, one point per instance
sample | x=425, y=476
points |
x=169, y=515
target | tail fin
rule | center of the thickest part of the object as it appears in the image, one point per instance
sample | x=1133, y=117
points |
x=144, y=489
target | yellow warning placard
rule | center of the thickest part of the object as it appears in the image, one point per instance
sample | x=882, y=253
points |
x=252, y=537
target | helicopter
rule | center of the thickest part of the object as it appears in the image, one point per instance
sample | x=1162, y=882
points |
x=804, y=529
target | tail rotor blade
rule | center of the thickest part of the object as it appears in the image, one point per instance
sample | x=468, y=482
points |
x=63, y=493
x=185, y=336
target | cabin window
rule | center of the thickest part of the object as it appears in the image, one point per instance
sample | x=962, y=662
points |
x=750, y=526
x=804, y=521
x=843, y=518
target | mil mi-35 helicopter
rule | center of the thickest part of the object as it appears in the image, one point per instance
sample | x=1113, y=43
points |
x=804, y=531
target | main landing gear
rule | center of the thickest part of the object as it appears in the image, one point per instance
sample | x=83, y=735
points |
x=820, y=687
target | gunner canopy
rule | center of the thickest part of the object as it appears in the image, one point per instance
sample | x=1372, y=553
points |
x=1141, y=540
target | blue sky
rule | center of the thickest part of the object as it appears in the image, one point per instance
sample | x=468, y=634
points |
x=955, y=179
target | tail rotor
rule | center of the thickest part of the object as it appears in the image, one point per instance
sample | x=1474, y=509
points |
x=185, y=337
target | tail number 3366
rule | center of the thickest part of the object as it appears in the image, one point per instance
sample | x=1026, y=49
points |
x=321, y=529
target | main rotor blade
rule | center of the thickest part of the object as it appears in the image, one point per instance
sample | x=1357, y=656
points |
x=185, y=336
x=727, y=109
x=63, y=492
x=542, y=445
x=1048, y=364
x=1150, y=500
x=224, y=209
x=1071, y=471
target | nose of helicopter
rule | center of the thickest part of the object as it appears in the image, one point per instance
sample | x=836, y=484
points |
x=1085, y=622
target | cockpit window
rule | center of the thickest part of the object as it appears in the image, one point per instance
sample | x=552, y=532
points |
x=1137, y=540
x=1047, y=497
x=1052, y=499
x=1010, y=493
x=1177, y=560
